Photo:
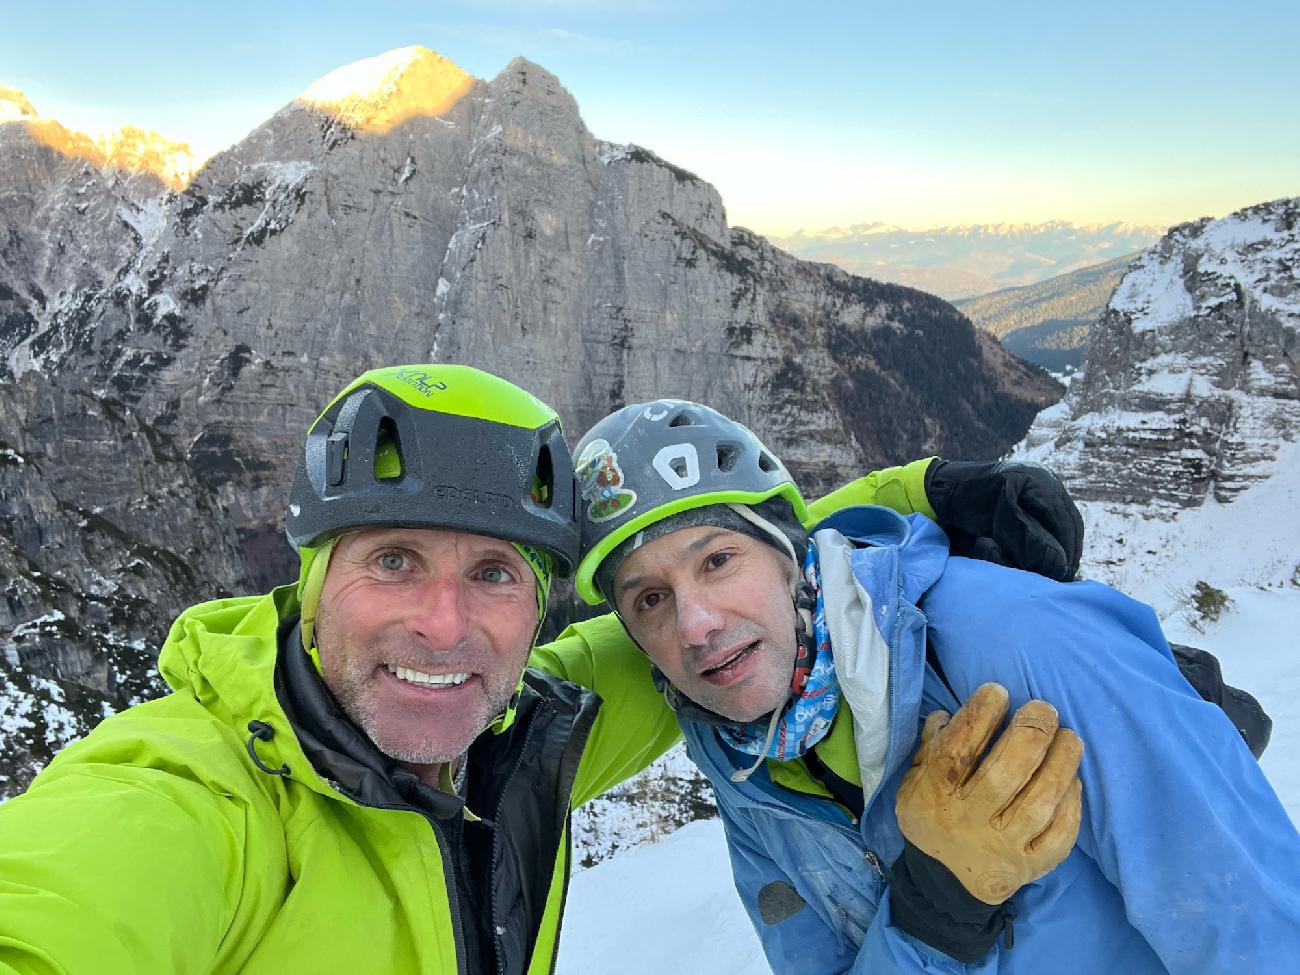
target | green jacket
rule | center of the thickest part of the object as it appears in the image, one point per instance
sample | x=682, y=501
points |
x=165, y=841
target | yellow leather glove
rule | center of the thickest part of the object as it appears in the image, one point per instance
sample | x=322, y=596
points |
x=1002, y=822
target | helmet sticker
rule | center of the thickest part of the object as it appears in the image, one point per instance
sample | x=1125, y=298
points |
x=655, y=412
x=678, y=465
x=601, y=482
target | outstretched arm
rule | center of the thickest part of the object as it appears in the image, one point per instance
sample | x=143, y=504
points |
x=1010, y=512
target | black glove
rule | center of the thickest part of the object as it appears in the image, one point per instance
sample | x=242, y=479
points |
x=1011, y=512
x=930, y=903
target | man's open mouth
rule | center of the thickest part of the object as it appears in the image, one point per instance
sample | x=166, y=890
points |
x=730, y=664
x=427, y=680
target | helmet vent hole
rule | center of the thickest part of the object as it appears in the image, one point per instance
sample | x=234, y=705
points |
x=388, y=451
x=678, y=465
x=682, y=419
x=766, y=463
x=542, y=492
x=728, y=454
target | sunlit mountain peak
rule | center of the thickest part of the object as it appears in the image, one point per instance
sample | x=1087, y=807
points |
x=14, y=106
x=142, y=150
x=378, y=93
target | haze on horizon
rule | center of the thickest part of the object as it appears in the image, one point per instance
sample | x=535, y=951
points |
x=854, y=113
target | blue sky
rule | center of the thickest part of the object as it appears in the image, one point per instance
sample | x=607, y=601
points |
x=803, y=115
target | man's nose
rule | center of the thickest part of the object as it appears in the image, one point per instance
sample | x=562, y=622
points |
x=438, y=613
x=697, y=619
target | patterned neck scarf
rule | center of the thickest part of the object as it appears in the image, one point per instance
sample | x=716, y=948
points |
x=814, y=692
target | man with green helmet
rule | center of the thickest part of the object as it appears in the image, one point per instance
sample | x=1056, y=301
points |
x=838, y=678
x=359, y=772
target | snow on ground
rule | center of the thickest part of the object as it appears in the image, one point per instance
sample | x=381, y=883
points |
x=1253, y=541
x=668, y=908
x=1257, y=645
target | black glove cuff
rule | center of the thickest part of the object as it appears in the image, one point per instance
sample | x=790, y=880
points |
x=929, y=903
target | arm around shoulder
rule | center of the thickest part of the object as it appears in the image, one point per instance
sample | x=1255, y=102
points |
x=899, y=488
x=635, y=725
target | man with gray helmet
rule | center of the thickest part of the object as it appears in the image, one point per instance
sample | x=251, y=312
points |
x=839, y=678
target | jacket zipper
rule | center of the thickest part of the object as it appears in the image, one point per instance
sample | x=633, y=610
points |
x=580, y=731
x=496, y=836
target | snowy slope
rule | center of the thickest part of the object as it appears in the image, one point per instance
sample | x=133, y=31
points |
x=1157, y=556
x=665, y=908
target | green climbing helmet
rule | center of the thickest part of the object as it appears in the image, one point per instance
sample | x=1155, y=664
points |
x=436, y=446
x=650, y=460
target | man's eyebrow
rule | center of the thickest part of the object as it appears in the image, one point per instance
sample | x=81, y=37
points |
x=496, y=548
x=367, y=537
x=702, y=542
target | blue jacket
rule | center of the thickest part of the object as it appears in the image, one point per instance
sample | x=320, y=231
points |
x=1185, y=862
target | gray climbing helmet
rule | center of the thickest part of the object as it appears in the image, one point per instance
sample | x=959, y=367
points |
x=648, y=461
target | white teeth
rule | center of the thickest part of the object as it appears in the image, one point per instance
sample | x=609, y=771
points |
x=428, y=680
x=730, y=660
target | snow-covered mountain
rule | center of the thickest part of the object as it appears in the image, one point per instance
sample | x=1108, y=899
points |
x=963, y=261
x=1189, y=392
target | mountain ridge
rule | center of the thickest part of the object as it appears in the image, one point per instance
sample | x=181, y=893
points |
x=129, y=148
x=968, y=261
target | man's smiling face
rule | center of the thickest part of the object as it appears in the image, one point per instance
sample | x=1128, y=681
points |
x=423, y=635
x=712, y=608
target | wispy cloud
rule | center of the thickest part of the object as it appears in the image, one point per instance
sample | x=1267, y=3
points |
x=610, y=8
x=537, y=42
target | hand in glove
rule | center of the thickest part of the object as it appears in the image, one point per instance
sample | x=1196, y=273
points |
x=1002, y=822
x=1011, y=512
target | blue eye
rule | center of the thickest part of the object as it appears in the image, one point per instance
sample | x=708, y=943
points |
x=392, y=561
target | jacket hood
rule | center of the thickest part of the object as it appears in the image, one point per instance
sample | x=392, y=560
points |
x=212, y=646
x=223, y=654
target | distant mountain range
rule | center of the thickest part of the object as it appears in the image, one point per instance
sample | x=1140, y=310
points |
x=964, y=261
x=1048, y=323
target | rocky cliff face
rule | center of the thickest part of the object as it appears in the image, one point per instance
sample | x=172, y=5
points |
x=162, y=352
x=1192, y=377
